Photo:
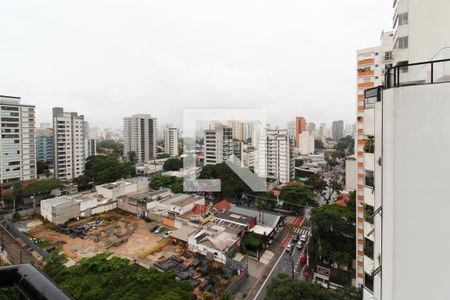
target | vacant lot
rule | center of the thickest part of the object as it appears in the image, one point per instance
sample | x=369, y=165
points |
x=123, y=234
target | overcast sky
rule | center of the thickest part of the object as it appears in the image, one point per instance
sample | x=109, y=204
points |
x=109, y=59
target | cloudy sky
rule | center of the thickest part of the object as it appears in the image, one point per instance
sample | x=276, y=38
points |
x=108, y=59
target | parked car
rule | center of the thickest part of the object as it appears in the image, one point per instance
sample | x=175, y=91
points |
x=303, y=238
x=167, y=233
x=300, y=245
x=295, y=238
x=159, y=229
x=289, y=248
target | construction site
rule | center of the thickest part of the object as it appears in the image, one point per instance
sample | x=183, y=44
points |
x=118, y=232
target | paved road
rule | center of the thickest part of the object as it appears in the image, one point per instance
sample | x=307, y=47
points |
x=285, y=262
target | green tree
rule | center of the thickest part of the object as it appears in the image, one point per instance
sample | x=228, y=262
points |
x=161, y=181
x=132, y=157
x=297, y=197
x=41, y=187
x=42, y=167
x=54, y=265
x=286, y=288
x=173, y=164
x=83, y=182
x=110, y=146
x=231, y=183
x=334, y=231
x=103, y=169
x=106, y=277
x=226, y=296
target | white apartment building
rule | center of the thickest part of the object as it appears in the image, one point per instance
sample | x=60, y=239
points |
x=171, y=137
x=68, y=143
x=291, y=128
x=248, y=156
x=276, y=158
x=90, y=146
x=139, y=132
x=371, y=64
x=17, y=142
x=218, y=144
x=307, y=142
x=400, y=201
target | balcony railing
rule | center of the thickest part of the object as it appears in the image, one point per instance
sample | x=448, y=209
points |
x=430, y=72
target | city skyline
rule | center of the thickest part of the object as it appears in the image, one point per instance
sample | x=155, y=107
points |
x=88, y=67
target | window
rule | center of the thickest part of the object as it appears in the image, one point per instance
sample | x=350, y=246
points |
x=403, y=18
x=388, y=55
x=402, y=43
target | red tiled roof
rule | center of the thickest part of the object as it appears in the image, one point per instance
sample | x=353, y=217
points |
x=200, y=209
x=222, y=205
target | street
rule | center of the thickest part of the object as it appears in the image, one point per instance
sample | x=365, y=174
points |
x=286, y=262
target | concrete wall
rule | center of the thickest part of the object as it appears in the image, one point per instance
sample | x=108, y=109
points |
x=416, y=147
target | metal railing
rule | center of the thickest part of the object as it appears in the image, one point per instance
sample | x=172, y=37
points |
x=430, y=72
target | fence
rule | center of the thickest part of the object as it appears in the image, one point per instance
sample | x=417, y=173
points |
x=17, y=233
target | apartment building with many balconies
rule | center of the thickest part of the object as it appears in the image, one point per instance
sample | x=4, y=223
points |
x=276, y=158
x=68, y=143
x=218, y=144
x=387, y=136
x=171, y=137
x=371, y=63
x=139, y=132
x=17, y=143
x=44, y=145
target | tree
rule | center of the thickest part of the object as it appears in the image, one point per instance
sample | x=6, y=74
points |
x=231, y=183
x=132, y=157
x=334, y=231
x=103, y=169
x=161, y=181
x=110, y=146
x=42, y=186
x=286, y=288
x=226, y=296
x=54, y=265
x=83, y=182
x=297, y=196
x=108, y=277
x=173, y=164
x=326, y=191
x=42, y=167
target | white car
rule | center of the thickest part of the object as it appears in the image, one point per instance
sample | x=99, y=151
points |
x=303, y=238
x=159, y=229
x=300, y=245
x=289, y=248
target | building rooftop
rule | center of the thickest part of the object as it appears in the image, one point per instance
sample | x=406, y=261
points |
x=235, y=217
x=268, y=219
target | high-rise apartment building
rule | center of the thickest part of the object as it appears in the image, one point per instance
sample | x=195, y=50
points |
x=311, y=127
x=171, y=137
x=300, y=126
x=238, y=129
x=371, y=64
x=307, y=143
x=291, y=129
x=44, y=145
x=337, y=130
x=139, y=132
x=68, y=144
x=391, y=188
x=276, y=158
x=218, y=144
x=17, y=143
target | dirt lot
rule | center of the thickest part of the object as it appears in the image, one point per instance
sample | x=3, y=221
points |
x=122, y=234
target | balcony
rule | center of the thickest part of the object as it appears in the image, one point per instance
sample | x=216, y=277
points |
x=369, y=196
x=368, y=265
x=369, y=161
x=431, y=72
x=368, y=228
